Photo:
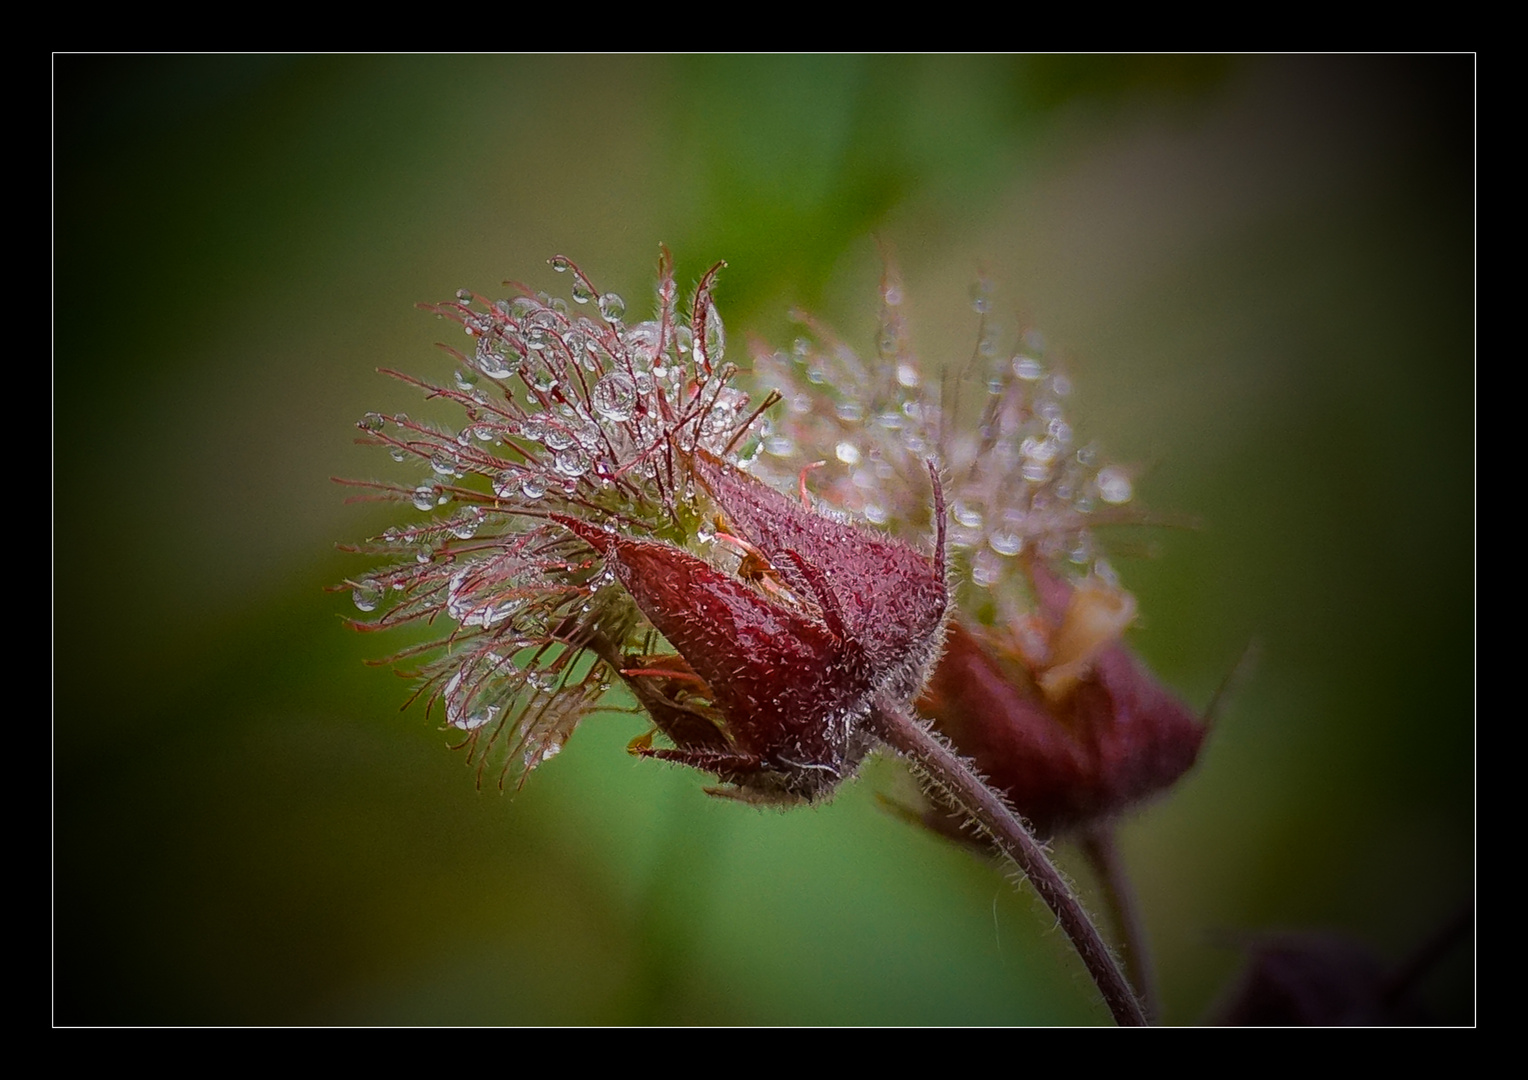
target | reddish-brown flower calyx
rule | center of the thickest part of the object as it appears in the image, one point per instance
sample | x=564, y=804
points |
x=1063, y=717
x=889, y=600
x=777, y=682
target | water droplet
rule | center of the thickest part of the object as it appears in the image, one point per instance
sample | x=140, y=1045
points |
x=1006, y=543
x=967, y=516
x=367, y=595
x=464, y=525
x=780, y=446
x=465, y=380
x=614, y=397
x=537, y=756
x=850, y=412
x=507, y=484
x=907, y=376
x=472, y=721
x=1039, y=452
x=560, y=263
x=424, y=554
x=443, y=463
x=612, y=307
x=424, y=497
x=1028, y=368
x=986, y=569
x=492, y=364
x=724, y=411
x=581, y=291
x=533, y=485
x=464, y=295
x=373, y=422
x=643, y=340
x=588, y=436
x=570, y=463
x=468, y=590
x=1114, y=486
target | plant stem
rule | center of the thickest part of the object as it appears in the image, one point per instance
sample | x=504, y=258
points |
x=954, y=778
x=1099, y=845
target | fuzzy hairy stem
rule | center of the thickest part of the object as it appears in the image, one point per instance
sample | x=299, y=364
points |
x=1099, y=845
x=957, y=782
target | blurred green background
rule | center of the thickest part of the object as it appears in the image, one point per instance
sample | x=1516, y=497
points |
x=1261, y=269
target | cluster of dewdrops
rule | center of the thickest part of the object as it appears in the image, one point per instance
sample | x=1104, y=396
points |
x=562, y=412
x=1017, y=478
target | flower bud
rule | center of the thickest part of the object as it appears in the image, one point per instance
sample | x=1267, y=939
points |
x=1063, y=718
x=880, y=594
x=776, y=684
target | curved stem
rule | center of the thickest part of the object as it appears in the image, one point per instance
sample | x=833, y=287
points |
x=1099, y=846
x=953, y=777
